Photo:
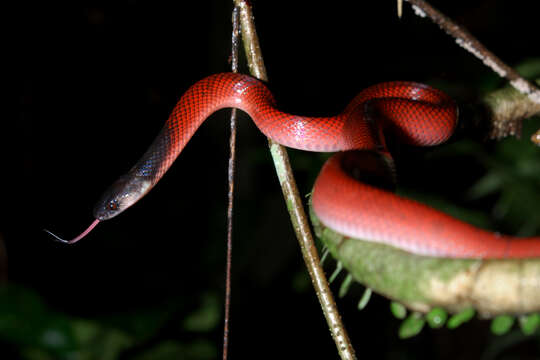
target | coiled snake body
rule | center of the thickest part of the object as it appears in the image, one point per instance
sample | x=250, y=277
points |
x=417, y=114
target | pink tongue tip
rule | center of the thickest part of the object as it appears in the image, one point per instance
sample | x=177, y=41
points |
x=74, y=240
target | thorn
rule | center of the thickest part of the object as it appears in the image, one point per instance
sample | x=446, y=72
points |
x=364, y=300
x=333, y=277
x=325, y=253
x=345, y=285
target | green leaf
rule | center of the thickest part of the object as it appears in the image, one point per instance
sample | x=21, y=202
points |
x=436, y=317
x=502, y=324
x=460, y=318
x=411, y=326
x=529, y=323
x=398, y=310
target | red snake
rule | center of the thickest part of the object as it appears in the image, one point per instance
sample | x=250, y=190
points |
x=415, y=113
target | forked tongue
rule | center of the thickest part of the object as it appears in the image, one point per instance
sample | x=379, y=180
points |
x=74, y=240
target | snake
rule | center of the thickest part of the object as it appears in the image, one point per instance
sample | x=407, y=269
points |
x=413, y=113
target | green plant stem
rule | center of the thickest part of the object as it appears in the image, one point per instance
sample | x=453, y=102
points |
x=292, y=196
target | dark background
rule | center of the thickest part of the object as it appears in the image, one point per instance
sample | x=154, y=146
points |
x=96, y=80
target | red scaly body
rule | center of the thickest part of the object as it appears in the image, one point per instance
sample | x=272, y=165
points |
x=416, y=113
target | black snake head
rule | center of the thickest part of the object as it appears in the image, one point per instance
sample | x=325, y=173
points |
x=123, y=193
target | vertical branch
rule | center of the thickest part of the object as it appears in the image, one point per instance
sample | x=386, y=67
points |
x=230, y=194
x=292, y=196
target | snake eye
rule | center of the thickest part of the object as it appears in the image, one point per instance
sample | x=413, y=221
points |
x=112, y=205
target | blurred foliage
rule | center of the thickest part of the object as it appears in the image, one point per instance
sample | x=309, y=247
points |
x=40, y=333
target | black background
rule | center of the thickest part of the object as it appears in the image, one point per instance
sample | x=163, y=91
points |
x=96, y=80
